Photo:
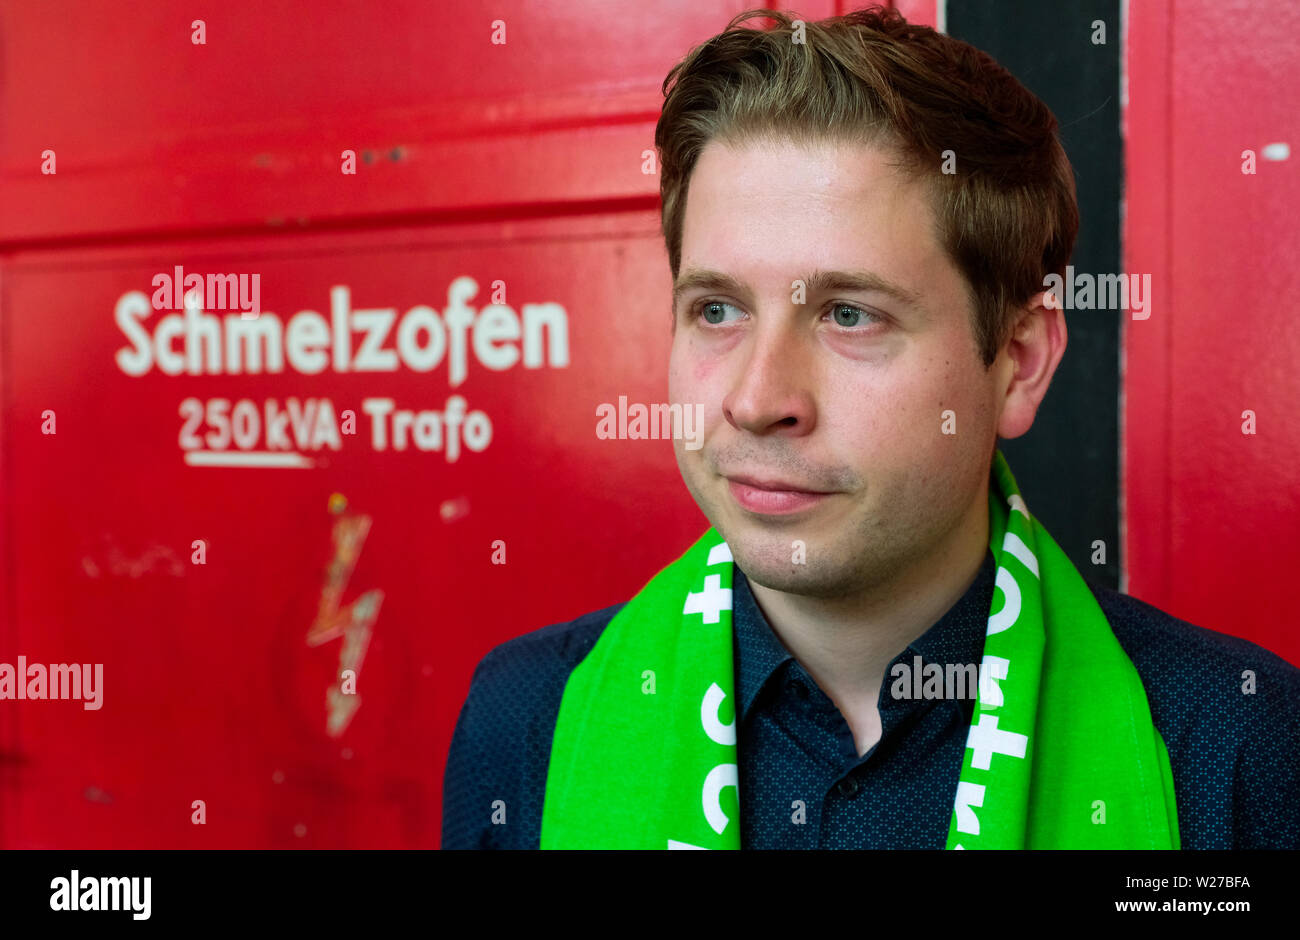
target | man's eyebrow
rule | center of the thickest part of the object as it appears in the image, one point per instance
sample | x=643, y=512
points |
x=817, y=282
x=864, y=281
x=704, y=279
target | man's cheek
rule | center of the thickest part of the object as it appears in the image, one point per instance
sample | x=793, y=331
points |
x=901, y=435
x=694, y=364
x=683, y=381
x=690, y=456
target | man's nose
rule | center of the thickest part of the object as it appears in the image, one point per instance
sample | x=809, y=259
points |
x=771, y=390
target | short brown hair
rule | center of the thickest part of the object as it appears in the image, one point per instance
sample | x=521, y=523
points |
x=1007, y=216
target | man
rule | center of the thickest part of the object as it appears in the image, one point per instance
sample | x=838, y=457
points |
x=860, y=226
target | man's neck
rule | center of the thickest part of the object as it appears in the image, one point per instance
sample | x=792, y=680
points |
x=846, y=644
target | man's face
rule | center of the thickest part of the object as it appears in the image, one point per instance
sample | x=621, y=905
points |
x=846, y=393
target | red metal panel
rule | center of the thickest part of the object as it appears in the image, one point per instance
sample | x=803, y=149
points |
x=1213, y=514
x=153, y=133
x=1144, y=444
x=521, y=164
x=921, y=12
x=211, y=689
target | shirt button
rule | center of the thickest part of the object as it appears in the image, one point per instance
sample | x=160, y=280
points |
x=800, y=690
x=848, y=786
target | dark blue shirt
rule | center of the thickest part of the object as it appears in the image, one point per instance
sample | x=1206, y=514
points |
x=1235, y=756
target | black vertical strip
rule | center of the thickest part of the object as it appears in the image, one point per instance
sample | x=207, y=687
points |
x=1068, y=464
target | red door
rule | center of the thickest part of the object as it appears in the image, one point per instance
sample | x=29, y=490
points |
x=489, y=275
x=1211, y=440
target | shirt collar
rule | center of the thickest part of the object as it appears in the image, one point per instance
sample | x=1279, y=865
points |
x=957, y=637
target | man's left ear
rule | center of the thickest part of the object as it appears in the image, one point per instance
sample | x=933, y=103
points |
x=1028, y=361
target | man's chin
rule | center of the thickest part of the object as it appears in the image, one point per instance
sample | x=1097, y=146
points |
x=789, y=565
x=797, y=580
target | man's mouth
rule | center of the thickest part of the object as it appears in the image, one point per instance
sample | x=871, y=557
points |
x=771, y=496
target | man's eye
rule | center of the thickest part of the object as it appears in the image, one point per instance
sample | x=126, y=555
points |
x=847, y=315
x=714, y=311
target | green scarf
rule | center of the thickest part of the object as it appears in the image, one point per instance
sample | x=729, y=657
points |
x=1061, y=753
